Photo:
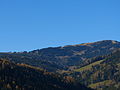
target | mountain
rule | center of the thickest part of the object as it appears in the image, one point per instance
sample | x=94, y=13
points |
x=61, y=58
x=101, y=75
x=96, y=65
x=25, y=77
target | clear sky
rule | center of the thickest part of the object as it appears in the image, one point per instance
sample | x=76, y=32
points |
x=34, y=24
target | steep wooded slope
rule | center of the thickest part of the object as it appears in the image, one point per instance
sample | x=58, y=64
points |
x=25, y=77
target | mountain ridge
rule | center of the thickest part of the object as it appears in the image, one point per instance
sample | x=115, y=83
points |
x=62, y=57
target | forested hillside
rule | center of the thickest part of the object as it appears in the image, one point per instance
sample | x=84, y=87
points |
x=95, y=65
x=101, y=75
x=25, y=77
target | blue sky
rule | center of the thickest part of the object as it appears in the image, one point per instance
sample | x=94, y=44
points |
x=33, y=24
